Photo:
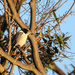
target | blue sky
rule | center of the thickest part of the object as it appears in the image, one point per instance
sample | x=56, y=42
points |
x=68, y=25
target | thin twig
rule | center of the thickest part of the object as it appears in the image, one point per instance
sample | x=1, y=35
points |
x=12, y=69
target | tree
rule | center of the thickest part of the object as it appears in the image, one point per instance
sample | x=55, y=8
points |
x=41, y=50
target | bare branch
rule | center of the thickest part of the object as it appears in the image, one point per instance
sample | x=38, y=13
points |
x=36, y=54
x=18, y=63
x=33, y=15
x=16, y=17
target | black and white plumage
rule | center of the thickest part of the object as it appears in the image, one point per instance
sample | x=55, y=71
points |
x=20, y=38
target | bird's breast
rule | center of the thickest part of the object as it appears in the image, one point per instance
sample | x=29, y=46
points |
x=21, y=40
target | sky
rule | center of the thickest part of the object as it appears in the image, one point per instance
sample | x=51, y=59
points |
x=68, y=25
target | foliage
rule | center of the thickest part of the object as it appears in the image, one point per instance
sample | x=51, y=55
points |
x=49, y=41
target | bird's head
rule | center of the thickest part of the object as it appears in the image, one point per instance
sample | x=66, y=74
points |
x=26, y=32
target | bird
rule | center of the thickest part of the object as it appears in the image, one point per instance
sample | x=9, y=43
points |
x=20, y=38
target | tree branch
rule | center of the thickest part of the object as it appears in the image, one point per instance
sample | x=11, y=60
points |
x=33, y=15
x=57, y=69
x=16, y=17
x=60, y=21
x=12, y=69
x=18, y=63
x=36, y=57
